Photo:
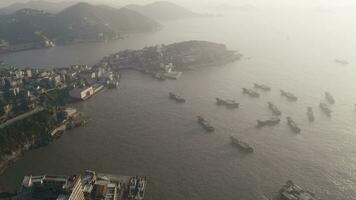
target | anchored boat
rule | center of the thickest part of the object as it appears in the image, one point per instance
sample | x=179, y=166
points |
x=250, y=92
x=274, y=108
x=293, y=125
x=261, y=87
x=310, y=114
x=243, y=146
x=289, y=96
x=329, y=98
x=325, y=108
x=205, y=124
x=228, y=103
x=268, y=122
x=177, y=98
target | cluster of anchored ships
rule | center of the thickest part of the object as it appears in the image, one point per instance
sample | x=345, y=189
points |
x=230, y=103
x=89, y=186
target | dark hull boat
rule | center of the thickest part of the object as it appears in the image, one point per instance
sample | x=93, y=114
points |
x=241, y=145
x=289, y=95
x=269, y=122
x=325, y=108
x=293, y=125
x=205, y=124
x=274, y=108
x=177, y=98
x=310, y=114
x=329, y=98
x=228, y=103
x=250, y=92
x=261, y=87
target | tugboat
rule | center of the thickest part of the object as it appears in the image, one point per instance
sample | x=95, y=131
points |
x=329, y=98
x=177, y=98
x=241, y=145
x=205, y=124
x=289, y=95
x=262, y=87
x=274, y=108
x=310, y=114
x=290, y=191
x=269, y=122
x=325, y=108
x=228, y=103
x=250, y=93
x=293, y=125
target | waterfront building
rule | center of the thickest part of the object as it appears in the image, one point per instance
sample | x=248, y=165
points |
x=81, y=93
x=51, y=188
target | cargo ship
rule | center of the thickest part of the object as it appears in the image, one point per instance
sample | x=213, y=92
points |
x=293, y=125
x=325, y=108
x=268, y=122
x=250, y=92
x=205, y=124
x=241, y=145
x=289, y=95
x=176, y=97
x=228, y=103
x=274, y=108
x=261, y=87
x=329, y=98
x=310, y=114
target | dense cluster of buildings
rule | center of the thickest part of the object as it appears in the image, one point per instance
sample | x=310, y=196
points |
x=21, y=89
x=90, y=186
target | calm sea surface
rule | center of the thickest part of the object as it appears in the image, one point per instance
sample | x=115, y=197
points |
x=138, y=130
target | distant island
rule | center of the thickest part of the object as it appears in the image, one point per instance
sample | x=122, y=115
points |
x=183, y=56
x=163, y=10
x=47, y=6
x=82, y=22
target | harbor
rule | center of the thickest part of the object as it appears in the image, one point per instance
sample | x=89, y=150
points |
x=178, y=154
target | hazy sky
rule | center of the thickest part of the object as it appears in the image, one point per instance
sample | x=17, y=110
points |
x=212, y=3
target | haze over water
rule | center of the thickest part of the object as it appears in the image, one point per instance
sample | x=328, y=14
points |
x=138, y=130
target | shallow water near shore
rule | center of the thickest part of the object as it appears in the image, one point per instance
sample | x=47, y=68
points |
x=138, y=130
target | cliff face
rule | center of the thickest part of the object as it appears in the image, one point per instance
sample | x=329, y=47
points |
x=183, y=55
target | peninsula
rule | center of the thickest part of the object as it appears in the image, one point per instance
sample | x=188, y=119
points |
x=162, y=59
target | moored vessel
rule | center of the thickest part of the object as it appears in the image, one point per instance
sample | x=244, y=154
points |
x=176, y=97
x=243, y=146
x=205, y=124
x=261, y=87
x=325, y=108
x=250, y=92
x=274, y=108
x=290, y=96
x=293, y=125
x=228, y=103
x=310, y=114
x=268, y=122
x=329, y=98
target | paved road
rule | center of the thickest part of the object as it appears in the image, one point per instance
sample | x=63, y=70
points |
x=22, y=116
